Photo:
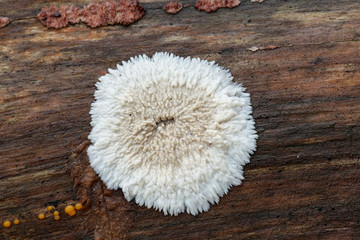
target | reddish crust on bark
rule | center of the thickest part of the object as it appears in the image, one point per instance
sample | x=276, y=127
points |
x=94, y=14
x=213, y=5
x=173, y=7
x=124, y=12
x=4, y=21
x=59, y=17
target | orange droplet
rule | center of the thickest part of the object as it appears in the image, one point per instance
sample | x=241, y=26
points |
x=70, y=210
x=16, y=221
x=6, y=223
x=78, y=206
x=56, y=213
x=57, y=217
x=72, y=213
x=49, y=208
x=41, y=216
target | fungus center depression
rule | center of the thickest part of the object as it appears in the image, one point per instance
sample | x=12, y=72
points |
x=167, y=122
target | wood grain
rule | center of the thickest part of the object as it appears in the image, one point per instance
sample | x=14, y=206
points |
x=303, y=182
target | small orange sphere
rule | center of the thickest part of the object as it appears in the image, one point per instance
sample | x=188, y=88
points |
x=41, y=216
x=6, y=223
x=16, y=221
x=57, y=217
x=49, y=208
x=72, y=213
x=78, y=206
x=56, y=213
x=70, y=210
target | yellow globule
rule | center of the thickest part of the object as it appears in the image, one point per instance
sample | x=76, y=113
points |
x=78, y=206
x=57, y=217
x=56, y=213
x=70, y=210
x=72, y=213
x=16, y=221
x=6, y=223
x=41, y=216
x=49, y=208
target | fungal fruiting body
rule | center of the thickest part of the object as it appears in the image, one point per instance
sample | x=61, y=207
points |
x=7, y=223
x=4, y=21
x=41, y=216
x=78, y=206
x=173, y=7
x=70, y=210
x=16, y=221
x=213, y=5
x=94, y=14
x=173, y=133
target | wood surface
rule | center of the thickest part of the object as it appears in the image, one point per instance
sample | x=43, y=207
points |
x=303, y=182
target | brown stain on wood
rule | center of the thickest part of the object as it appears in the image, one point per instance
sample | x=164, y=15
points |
x=303, y=180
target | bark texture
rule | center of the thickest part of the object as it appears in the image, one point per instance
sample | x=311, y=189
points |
x=303, y=182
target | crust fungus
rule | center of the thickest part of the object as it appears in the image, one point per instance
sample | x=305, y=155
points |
x=94, y=14
x=173, y=7
x=173, y=133
x=4, y=21
x=213, y=5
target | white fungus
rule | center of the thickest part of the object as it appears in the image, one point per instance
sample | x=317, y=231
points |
x=173, y=133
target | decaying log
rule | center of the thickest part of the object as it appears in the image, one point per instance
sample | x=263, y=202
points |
x=303, y=182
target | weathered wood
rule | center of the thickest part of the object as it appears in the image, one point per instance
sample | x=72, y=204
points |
x=302, y=182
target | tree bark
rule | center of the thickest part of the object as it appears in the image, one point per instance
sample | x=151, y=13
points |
x=302, y=182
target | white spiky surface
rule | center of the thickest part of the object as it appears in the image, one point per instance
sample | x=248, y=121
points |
x=173, y=133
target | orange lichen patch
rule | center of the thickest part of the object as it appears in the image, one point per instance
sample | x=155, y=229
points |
x=94, y=14
x=6, y=223
x=41, y=216
x=56, y=218
x=49, y=208
x=70, y=210
x=16, y=221
x=56, y=213
x=78, y=206
x=173, y=7
x=213, y=5
x=4, y=21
